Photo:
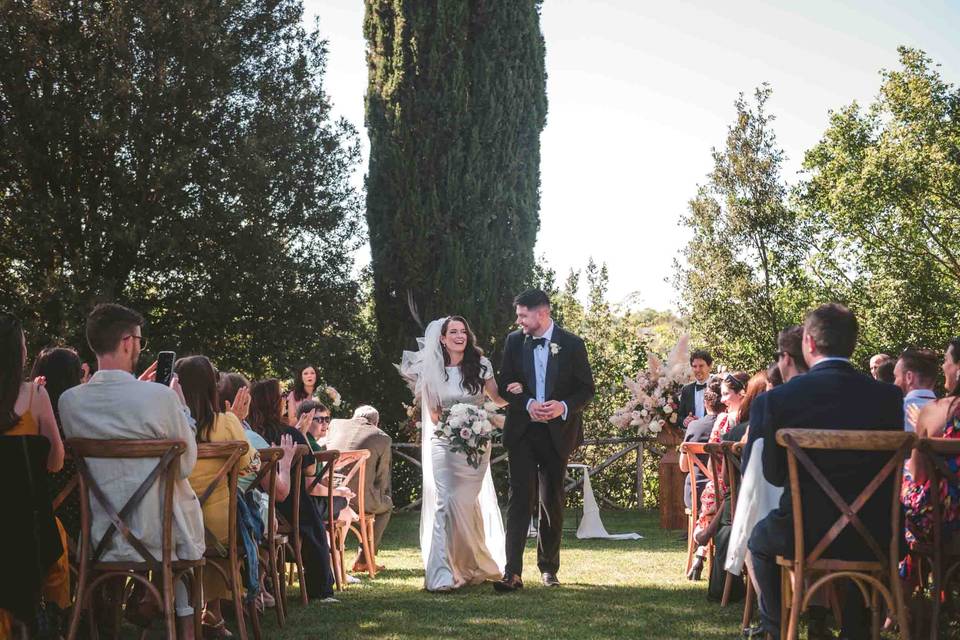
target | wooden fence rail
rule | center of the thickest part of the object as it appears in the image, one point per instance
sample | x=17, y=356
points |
x=641, y=445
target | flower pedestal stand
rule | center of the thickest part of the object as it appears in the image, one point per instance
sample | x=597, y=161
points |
x=672, y=515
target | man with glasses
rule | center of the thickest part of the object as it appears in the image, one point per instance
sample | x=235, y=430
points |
x=116, y=405
x=362, y=432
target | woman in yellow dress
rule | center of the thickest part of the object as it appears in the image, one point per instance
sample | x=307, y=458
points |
x=198, y=379
x=25, y=410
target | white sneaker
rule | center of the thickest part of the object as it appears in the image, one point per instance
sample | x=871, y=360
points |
x=328, y=600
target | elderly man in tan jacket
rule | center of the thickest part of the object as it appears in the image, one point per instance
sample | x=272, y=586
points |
x=362, y=432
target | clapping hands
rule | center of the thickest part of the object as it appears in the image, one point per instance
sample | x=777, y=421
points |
x=240, y=406
x=305, y=420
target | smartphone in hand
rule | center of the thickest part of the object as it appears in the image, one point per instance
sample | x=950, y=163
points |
x=165, y=360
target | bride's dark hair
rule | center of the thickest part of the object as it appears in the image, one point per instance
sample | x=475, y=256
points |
x=471, y=368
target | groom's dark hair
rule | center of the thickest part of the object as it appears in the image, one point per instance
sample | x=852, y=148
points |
x=532, y=299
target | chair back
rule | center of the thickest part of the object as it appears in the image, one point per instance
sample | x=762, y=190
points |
x=328, y=463
x=353, y=465
x=799, y=441
x=266, y=481
x=229, y=472
x=166, y=472
x=733, y=470
x=296, y=489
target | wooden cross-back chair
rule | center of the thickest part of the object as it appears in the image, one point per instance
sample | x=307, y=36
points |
x=353, y=464
x=875, y=578
x=229, y=473
x=266, y=481
x=693, y=452
x=327, y=460
x=63, y=496
x=729, y=453
x=291, y=529
x=942, y=553
x=93, y=571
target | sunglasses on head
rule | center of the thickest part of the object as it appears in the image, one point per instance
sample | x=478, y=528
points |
x=733, y=383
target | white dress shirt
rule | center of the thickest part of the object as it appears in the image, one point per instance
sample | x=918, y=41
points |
x=917, y=398
x=541, y=358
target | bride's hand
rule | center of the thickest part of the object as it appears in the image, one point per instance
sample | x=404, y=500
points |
x=515, y=388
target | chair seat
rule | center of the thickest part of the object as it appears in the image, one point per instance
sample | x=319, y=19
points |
x=830, y=564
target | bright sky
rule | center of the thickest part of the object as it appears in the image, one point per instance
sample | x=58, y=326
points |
x=639, y=92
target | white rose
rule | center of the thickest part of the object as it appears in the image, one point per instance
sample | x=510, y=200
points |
x=477, y=427
x=655, y=426
x=667, y=409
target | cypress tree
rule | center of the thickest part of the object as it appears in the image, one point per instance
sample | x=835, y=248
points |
x=455, y=105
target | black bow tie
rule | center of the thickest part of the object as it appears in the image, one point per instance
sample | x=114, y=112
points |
x=538, y=342
x=699, y=387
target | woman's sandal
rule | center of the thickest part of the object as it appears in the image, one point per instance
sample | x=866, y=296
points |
x=216, y=630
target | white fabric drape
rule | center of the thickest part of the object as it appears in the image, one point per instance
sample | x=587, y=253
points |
x=591, y=526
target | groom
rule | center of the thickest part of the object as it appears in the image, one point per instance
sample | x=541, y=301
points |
x=546, y=369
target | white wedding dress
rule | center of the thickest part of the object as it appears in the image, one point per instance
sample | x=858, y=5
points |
x=461, y=530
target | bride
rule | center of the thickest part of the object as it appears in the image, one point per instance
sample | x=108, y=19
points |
x=461, y=530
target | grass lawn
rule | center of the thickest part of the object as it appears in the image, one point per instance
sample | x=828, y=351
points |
x=611, y=589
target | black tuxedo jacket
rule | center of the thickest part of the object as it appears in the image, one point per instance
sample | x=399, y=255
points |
x=832, y=395
x=569, y=379
x=688, y=401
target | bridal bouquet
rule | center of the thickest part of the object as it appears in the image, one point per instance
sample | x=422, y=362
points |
x=654, y=393
x=468, y=429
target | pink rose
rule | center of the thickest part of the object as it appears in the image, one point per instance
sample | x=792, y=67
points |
x=465, y=433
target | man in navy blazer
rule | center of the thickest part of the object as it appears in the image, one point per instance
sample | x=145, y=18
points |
x=832, y=395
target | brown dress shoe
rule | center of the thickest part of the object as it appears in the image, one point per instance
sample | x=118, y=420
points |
x=509, y=583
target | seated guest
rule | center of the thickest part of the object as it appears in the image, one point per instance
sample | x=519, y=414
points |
x=115, y=405
x=59, y=369
x=916, y=373
x=266, y=418
x=720, y=527
x=876, y=362
x=885, y=372
x=363, y=432
x=833, y=395
x=25, y=410
x=733, y=389
x=938, y=419
x=198, y=379
x=698, y=431
x=774, y=377
x=790, y=364
x=316, y=431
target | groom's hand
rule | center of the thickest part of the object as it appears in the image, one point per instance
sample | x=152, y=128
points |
x=535, y=409
x=552, y=409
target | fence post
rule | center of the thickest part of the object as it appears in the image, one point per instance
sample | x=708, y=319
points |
x=640, y=451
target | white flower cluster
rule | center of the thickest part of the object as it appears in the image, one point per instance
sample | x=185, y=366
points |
x=654, y=392
x=334, y=395
x=468, y=428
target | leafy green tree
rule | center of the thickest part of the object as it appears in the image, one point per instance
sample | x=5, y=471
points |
x=884, y=186
x=743, y=279
x=180, y=158
x=455, y=104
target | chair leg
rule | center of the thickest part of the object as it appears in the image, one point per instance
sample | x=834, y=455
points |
x=367, y=547
x=274, y=576
x=282, y=573
x=785, y=599
x=875, y=614
x=793, y=629
x=254, y=619
x=371, y=539
x=169, y=607
x=336, y=559
x=691, y=544
x=748, y=605
x=236, y=589
x=727, y=587
x=298, y=551
x=196, y=596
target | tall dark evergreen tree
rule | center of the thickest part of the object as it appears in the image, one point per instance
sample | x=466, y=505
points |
x=181, y=158
x=455, y=106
